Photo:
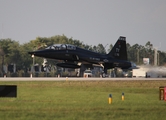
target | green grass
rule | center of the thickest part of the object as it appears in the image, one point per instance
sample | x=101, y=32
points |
x=82, y=100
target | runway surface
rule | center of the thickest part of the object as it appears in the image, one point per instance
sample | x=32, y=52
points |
x=73, y=79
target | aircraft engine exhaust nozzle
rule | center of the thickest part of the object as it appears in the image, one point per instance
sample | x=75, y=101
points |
x=133, y=66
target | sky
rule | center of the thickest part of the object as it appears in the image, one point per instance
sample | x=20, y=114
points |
x=92, y=22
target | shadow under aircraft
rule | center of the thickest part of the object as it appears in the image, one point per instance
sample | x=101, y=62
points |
x=75, y=57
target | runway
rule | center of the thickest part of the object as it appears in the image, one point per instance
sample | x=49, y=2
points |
x=73, y=79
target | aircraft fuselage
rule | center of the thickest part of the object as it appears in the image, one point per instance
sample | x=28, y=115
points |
x=72, y=55
x=83, y=56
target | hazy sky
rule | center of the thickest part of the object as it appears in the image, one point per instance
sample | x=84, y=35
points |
x=90, y=21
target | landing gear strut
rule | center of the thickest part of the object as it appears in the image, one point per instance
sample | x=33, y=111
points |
x=104, y=74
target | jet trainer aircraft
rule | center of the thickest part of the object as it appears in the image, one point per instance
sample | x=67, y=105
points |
x=74, y=56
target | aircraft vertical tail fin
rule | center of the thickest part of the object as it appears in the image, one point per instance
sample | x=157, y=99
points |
x=119, y=49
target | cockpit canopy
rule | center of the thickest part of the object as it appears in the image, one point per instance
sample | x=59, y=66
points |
x=62, y=47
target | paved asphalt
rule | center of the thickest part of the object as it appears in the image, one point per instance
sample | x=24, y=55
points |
x=72, y=79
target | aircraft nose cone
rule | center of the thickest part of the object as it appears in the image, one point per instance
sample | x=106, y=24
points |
x=32, y=53
x=36, y=53
x=39, y=53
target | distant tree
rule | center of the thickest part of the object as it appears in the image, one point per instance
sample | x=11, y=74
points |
x=149, y=52
x=94, y=49
x=110, y=48
x=148, y=45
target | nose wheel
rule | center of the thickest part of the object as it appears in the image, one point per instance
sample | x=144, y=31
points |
x=103, y=75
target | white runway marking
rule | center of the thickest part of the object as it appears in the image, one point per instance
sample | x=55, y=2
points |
x=72, y=79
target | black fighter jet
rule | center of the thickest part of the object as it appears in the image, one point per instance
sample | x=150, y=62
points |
x=73, y=56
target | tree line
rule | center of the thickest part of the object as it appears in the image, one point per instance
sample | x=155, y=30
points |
x=11, y=52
